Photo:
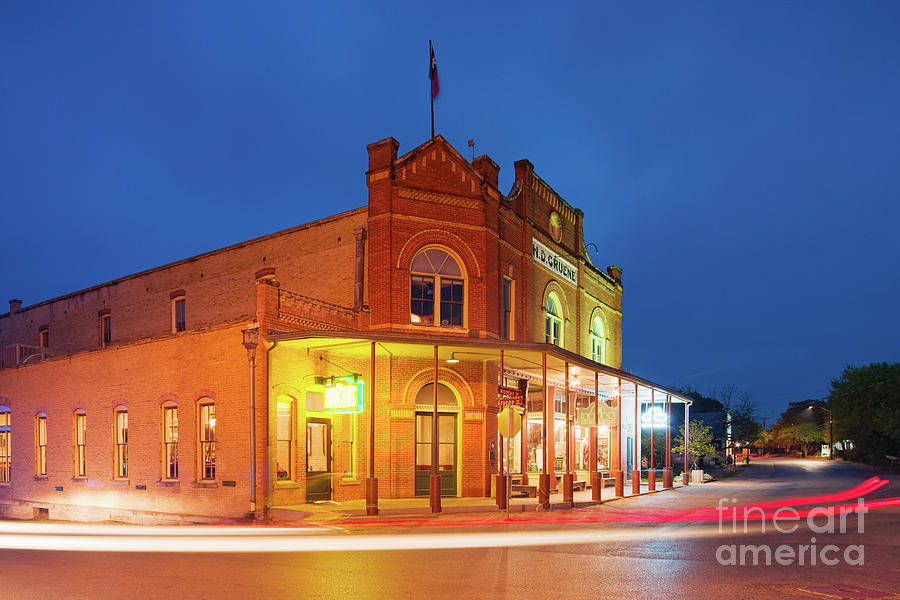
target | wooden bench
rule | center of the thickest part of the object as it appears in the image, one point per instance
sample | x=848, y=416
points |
x=579, y=485
x=524, y=491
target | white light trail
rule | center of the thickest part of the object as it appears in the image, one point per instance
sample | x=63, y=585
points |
x=294, y=540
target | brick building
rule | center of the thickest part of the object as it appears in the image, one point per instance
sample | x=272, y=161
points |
x=344, y=338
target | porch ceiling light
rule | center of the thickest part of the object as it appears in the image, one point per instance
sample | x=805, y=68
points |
x=452, y=360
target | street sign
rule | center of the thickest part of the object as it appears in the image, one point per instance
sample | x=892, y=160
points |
x=510, y=396
x=509, y=424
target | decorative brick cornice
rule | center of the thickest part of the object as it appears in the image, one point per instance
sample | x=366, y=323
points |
x=473, y=415
x=403, y=413
x=303, y=312
x=540, y=187
x=444, y=199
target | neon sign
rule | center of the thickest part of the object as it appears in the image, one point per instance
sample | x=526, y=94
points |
x=345, y=395
x=654, y=416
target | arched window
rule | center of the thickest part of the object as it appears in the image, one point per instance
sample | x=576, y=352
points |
x=553, y=320
x=169, y=450
x=207, y=439
x=425, y=397
x=79, y=443
x=5, y=448
x=40, y=444
x=434, y=271
x=598, y=340
x=284, y=438
x=120, y=441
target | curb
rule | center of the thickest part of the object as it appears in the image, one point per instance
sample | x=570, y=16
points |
x=424, y=512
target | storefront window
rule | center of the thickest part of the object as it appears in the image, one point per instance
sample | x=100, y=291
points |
x=348, y=426
x=559, y=444
x=514, y=456
x=284, y=444
x=534, y=456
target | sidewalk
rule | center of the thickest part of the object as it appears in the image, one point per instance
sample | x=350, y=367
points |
x=333, y=511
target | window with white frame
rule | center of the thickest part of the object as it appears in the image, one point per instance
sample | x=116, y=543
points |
x=40, y=444
x=207, y=439
x=436, y=289
x=598, y=340
x=169, y=448
x=284, y=438
x=5, y=447
x=79, y=443
x=120, y=442
x=553, y=320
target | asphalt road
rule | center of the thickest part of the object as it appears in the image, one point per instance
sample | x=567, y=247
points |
x=633, y=548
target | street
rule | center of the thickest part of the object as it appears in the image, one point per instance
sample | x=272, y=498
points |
x=632, y=548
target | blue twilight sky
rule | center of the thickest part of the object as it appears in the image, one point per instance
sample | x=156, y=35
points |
x=738, y=160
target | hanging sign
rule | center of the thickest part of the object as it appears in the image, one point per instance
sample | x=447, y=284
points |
x=654, y=416
x=607, y=416
x=344, y=395
x=554, y=262
x=584, y=417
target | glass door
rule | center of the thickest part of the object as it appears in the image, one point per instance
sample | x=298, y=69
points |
x=629, y=453
x=446, y=453
x=318, y=459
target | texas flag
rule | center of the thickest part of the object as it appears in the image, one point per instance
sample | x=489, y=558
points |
x=432, y=72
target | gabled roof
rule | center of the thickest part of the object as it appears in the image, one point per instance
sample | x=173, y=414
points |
x=439, y=141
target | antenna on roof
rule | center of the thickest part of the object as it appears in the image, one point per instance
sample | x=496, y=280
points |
x=472, y=146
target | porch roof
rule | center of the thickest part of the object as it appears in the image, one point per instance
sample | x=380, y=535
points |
x=519, y=358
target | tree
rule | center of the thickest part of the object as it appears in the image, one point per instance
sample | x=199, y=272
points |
x=799, y=425
x=700, y=442
x=741, y=414
x=659, y=447
x=865, y=406
x=763, y=439
x=804, y=434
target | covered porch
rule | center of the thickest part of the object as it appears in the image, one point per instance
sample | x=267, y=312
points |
x=415, y=418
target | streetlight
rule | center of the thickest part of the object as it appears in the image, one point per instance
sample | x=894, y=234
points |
x=830, y=430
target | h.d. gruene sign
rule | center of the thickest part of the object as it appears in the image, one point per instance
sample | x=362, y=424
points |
x=554, y=262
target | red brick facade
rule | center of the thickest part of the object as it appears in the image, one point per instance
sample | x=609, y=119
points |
x=346, y=276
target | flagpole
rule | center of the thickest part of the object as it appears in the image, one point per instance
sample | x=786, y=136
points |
x=431, y=83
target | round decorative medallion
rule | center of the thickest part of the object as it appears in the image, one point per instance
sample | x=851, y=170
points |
x=555, y=227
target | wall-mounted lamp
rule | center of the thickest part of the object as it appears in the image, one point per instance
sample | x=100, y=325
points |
x=452, y=360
